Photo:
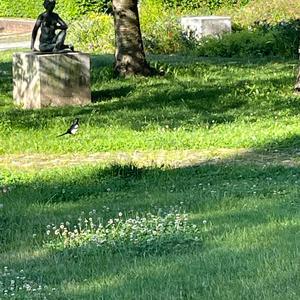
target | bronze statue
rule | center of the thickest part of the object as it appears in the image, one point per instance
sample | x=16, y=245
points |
x=50, y=41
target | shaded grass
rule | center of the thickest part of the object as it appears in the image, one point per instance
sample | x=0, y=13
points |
x=250, y=234
x=199, y=104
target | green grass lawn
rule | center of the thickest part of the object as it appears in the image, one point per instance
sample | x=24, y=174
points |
x=245, y=207
x=199, y=104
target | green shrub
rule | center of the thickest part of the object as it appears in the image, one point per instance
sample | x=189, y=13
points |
x=286, y=36
x=95, y=6
x=74, y=9
x=209, y=4
x=239, y=44
x=93, y=33
x=68, y=9
x=262, y=39
x=160, y=29
x=20, y=8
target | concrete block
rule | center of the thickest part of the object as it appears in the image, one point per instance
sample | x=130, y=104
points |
x=198, y=27
x=54, y=79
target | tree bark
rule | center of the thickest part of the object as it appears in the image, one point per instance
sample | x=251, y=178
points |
x=297, y=85
x=129, y=56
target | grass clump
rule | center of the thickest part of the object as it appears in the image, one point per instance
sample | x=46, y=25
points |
x=141, y=234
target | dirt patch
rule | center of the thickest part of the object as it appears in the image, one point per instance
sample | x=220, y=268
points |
x=174, y=159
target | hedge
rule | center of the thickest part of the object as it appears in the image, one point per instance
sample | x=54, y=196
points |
x=73, y=9
x=20, y=8
x=68, y=9
x=209, y=4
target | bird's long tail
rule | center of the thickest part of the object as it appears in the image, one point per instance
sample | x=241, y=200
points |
x=62, y=134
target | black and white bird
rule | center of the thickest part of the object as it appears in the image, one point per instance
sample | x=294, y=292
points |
x=73, y=128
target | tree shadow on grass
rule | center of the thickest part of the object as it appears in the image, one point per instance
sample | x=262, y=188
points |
x=5, y=81
x=163, y=101
x=129, y=187
x=250, y=209
x=108, y=94
x=224, y=273
x=99, y=275
x=177, y=107
x=221, y=274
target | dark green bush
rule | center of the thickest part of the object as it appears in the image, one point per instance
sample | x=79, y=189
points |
x=243, y=43
x=97, y=6
x=286, y=36
x=262, y=39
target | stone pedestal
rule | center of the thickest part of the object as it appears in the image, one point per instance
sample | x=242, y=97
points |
x=198, y=27
x=43, y=80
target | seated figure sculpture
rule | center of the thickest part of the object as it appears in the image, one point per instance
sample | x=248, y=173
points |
x=50, y=22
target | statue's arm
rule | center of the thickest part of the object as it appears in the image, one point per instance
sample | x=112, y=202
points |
x=62, y=24
x=36, y=27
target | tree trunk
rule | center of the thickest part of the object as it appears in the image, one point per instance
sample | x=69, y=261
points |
x=129, y=56
x=297, y=85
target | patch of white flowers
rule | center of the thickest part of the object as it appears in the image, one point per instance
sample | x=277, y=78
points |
x=15, y=285
x=143, y=233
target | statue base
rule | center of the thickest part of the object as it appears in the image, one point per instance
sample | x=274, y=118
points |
x=52, y=79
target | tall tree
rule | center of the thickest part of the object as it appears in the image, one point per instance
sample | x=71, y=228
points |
x=130, y=55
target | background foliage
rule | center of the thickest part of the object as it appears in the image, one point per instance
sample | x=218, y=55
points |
x=260, y=28
x=272, y=11
x=75, y=8
x=209, y=4
x=69, y=9
x=93, y=34
x=262, y=39
x=21, y=8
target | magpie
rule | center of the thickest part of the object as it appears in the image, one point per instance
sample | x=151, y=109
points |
x=73, y=128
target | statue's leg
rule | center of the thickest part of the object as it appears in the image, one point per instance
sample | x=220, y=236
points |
x=47, y=47
x=60, y=39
